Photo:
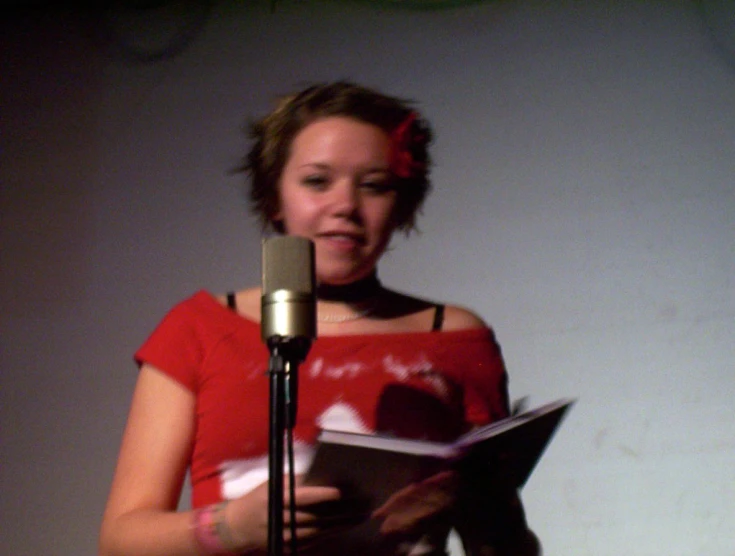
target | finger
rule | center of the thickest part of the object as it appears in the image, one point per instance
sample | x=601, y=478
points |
x=419, y=503
x=301, y=533
x=312, y=535
x=448, y=475
x=307, y=495
x=437, y=490
x=298, y=480
x=396, y=500
x=304, y=543
x=329, y=521
x=302, y=519
x=314, y=538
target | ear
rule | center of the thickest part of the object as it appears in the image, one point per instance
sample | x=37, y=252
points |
x=275, y=218
x=277, y=223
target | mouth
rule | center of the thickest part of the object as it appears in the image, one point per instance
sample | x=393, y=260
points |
x=351, y=236
x=343, y=239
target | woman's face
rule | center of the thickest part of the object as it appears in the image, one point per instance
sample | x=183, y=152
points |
x=337, y=190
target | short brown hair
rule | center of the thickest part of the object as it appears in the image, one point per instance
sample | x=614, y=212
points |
x=273, y=135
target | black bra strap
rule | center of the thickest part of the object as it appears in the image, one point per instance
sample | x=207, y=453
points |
x=231, y=303
x=438, y=318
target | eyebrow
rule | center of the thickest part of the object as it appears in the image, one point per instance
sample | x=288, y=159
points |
x=317, y=165
x=325, y=166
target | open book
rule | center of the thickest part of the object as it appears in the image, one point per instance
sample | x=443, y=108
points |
x=372, y=467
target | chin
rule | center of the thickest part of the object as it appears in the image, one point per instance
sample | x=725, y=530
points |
x=340, y=277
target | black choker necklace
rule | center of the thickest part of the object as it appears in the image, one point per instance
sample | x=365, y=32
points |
x=350, y=293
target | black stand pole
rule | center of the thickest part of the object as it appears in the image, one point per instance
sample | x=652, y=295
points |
x=283, y=370
x=275, y=455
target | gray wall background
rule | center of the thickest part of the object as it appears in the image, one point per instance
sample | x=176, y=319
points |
x=584, y=206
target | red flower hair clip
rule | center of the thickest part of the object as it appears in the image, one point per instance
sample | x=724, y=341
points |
x=404, y=142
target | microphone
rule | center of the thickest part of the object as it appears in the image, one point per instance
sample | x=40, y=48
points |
x=288, y=310
x=288, y=302
x=288, y=326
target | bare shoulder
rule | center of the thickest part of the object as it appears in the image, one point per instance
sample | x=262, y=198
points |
x=418, y=313
x=459, y=318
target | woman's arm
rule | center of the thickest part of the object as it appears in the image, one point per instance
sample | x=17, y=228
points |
x=496, y=527
x=489, y=515
x=140, y=517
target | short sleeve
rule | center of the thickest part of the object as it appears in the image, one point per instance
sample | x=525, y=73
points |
x=175, y=345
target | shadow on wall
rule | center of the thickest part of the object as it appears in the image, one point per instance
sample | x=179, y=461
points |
x=719, y=18
x=47, y=162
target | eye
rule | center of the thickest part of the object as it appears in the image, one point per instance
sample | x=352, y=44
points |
x=315, y=181
x=378, y=186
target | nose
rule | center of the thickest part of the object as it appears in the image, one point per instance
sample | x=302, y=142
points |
x=345, y=198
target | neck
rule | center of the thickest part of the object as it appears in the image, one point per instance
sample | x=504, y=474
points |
x=354, y=292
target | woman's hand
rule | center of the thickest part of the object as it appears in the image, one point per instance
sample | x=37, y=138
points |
x=405, y=509
x=247, y=516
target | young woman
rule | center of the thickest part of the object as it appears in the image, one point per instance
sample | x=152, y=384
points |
x=346, y=167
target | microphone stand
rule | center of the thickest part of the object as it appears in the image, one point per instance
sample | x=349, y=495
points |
x=288, y=325
x=286, y=355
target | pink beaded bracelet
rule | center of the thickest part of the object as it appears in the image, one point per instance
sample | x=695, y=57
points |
x=211, y=532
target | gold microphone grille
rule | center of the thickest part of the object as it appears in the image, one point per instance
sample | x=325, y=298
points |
x=288, y=265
